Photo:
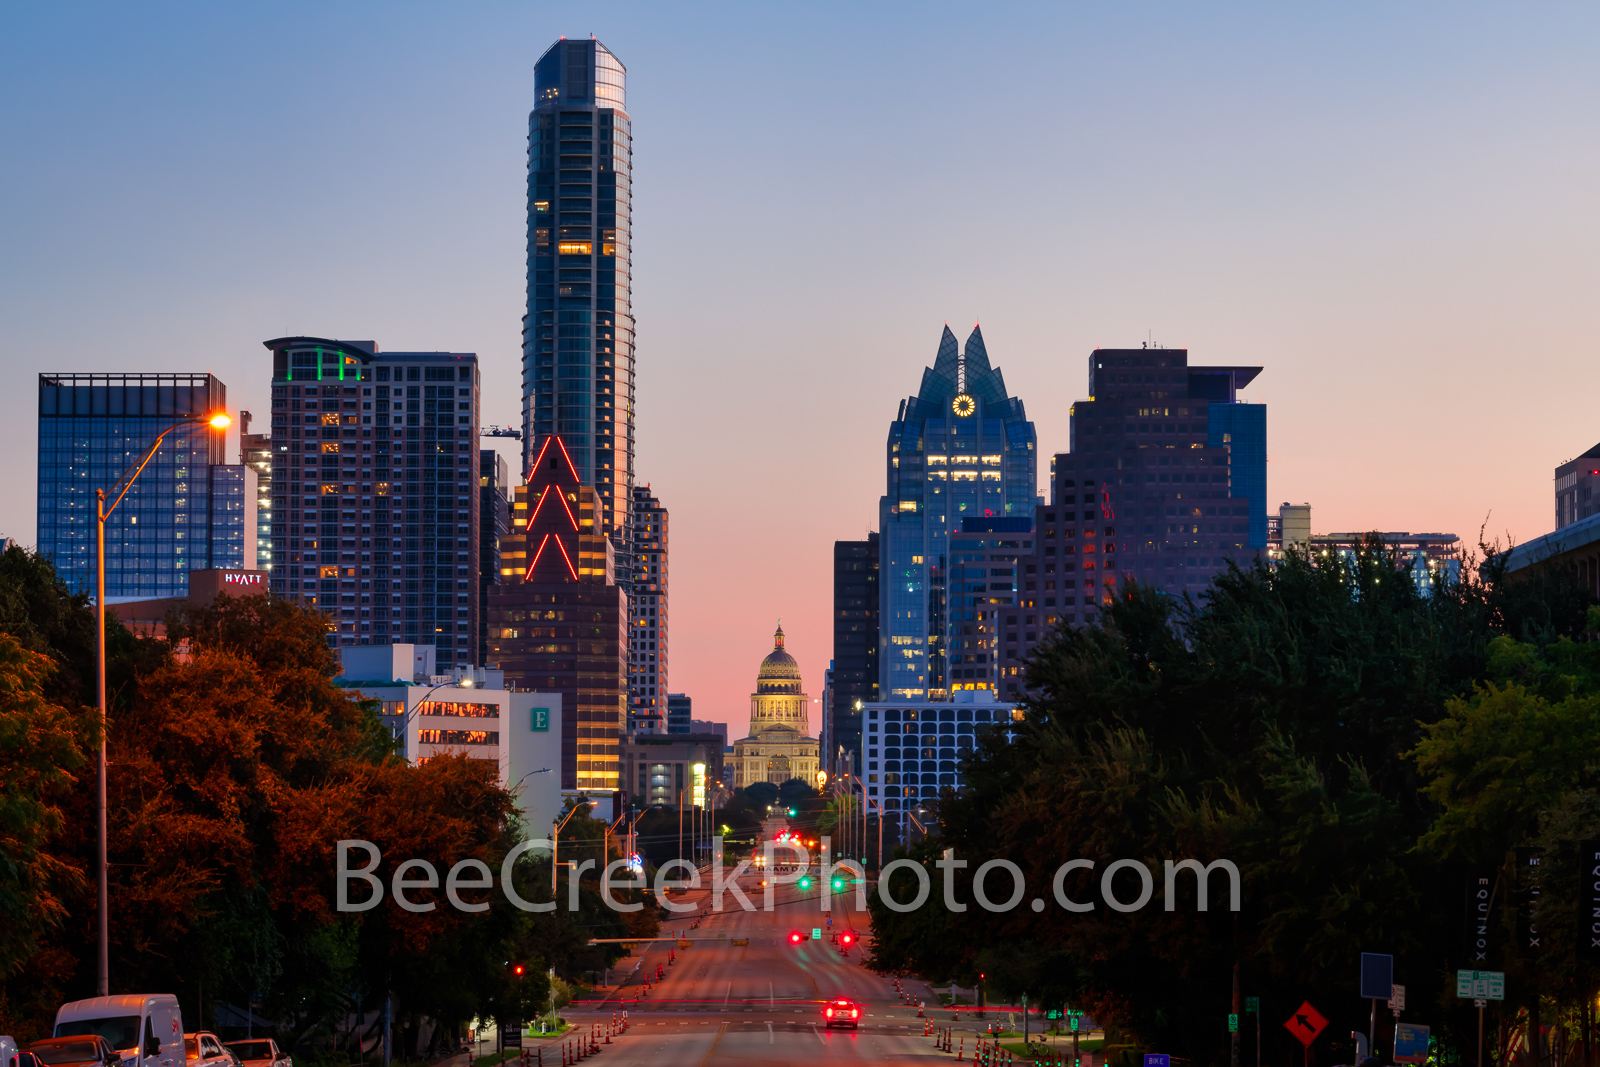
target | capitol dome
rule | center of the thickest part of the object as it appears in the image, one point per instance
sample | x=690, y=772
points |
x=780, y=672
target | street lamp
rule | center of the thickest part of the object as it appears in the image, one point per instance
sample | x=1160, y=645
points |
x=555, y=838
x=217, y=421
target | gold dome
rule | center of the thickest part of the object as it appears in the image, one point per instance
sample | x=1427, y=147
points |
x=780, y=673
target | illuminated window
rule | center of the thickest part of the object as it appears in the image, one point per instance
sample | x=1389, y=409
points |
x=608, y=242
x=575, y=248
x=542, y=207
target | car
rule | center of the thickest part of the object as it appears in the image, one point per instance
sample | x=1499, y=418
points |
x=205, y=1049
x=842, y=1012
x=82, y=1050
x=147, y=1028
x=260, y=1052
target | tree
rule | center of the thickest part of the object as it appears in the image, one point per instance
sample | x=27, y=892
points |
x=1266, y=724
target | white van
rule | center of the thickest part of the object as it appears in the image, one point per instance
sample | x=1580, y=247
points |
x=145, y=1028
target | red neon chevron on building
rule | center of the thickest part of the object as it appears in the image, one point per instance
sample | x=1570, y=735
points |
x=557, y=616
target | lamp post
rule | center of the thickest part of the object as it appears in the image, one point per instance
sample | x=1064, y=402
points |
x=217, y=421
x=555, y=839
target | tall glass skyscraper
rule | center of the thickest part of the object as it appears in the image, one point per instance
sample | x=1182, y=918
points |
x=577, y=336
x=189, y=510
x=960, y=448
x=374, y=519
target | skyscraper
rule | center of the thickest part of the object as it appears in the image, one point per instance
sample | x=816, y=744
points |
x=189, y=510
x=853, y=678
x=558, y=621
x=494, y=522
x=255, y=452
x=1166, y=480
x=647, y=630
x=577, y=336
x=961, y=447
x=374, y=520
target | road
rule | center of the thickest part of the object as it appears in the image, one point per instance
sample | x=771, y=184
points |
x=760, y=1003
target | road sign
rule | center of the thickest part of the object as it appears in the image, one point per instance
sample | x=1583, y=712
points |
x=1305, y=1024
x=1074, y=1024
x=1252, y=1005
x=1410, y=1043
x=1377, y=975
x=1052, y=1014
x=1157, y=1059
x=1233, y=1024
x=1397, y=998
x=683, y=944
x=1481, y=985
x=816, y=933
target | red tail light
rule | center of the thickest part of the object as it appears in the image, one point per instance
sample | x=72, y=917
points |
x=855, y=1012
x=830, y=1013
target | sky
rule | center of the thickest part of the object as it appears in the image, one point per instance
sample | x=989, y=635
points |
x=1390, y=207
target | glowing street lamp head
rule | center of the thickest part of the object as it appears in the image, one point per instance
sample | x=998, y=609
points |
x=220, y=421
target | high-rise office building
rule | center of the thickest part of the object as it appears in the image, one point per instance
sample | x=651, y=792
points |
x=961, y=447
x=494, y=522
x=577, y=337
x=255, y=452
x=1166, y=480
x=647, y=630
x=374, y=521
x=558, y=621
x=680, y=713
x=1576, y=480
x=1165, y=483
x=987, y=557
x=189, y=509
x=853, y=676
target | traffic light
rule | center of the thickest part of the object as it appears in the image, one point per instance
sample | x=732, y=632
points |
x=805, y=883
x=517, y=970
x=847, y=938
x=796, y=937
x=791, y=812
x=838, y=884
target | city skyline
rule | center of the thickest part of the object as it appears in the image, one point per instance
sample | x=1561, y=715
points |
x=1189, y=210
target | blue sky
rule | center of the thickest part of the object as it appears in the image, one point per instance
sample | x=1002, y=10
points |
x=1392, y=207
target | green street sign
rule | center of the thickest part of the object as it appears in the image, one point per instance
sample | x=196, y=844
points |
x=1252, y=1005
x=1233, y=1024
x=1481, y=985
x=1074, y=1024
x=816, y=933
x=1052, y=1015
x=540, y=720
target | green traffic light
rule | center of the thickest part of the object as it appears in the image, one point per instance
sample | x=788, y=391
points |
x=805, y=883
x=838, y=884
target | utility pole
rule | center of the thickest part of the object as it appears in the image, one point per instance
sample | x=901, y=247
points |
x=1233, y=1038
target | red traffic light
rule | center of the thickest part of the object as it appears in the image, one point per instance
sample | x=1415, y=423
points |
x=847, y=938
x=795, y=938
x=517, y=970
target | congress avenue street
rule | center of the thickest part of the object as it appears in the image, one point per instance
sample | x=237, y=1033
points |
x=727, y=1002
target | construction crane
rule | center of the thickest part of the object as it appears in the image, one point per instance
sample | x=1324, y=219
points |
x=501, y=431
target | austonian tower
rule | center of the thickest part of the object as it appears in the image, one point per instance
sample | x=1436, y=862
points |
x=577, y=335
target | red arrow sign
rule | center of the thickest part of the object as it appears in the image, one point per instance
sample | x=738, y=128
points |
x=1305, y=1024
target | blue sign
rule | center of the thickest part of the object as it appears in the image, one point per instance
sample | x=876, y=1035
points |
x=1410, y=1043
x=1157, y=1059
x=541, y=720
x=1377, y=975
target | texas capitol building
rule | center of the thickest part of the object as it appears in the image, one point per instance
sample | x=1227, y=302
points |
x=777, y=748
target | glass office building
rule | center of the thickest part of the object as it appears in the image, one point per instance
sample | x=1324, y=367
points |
x=960, y=448
x=375, y=518
x=577, y=337
x=189, y=509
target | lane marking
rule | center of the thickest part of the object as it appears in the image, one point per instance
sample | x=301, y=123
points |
x=770, y=1038
x=706, y=1059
